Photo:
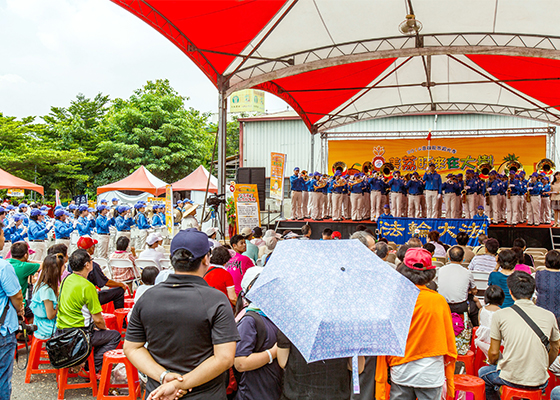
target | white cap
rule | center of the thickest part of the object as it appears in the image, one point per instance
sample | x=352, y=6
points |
x=246, y=231
x=271, y=233
x=211, y=231
x=249, y=276
x=152, y=238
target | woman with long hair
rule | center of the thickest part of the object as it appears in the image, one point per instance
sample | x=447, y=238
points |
x=555, y=197
x=45, y=295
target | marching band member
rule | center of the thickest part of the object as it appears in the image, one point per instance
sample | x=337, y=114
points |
x=545, y=201
x=38, y=231
x=316, y=196
x=523, y=204
x=502, y=192
x=513, y=199
x=396, y=200
x=103, y=225
x=459, y=196
x=493, y=188
x=414, y=189
x=480, y=214
x=305, y=194
x=471, y=187
x=534, y=189
x=404, y=192
x=142, y=223
x=355, y=186
x=432, y=189
x=386, y=213
x=377, y=193
x=366, y=200
x=14, y=231
x=62, y=229
x=123, y=221
x=449, y=188
x=324, y=197
x=338, y=196
x=83, y=221
x=296, y=186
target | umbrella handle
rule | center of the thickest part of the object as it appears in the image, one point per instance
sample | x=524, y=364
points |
x=355, y=375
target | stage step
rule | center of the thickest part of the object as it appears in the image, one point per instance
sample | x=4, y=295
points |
x=555, y=238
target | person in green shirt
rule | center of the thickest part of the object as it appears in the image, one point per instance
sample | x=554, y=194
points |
x=24, y=269
x=79, y=307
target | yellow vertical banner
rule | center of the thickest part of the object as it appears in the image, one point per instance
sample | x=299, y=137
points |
x=277, y=172
x=169, y=209
x=246, y=198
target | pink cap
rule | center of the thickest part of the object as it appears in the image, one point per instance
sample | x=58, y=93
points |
x=418, y=255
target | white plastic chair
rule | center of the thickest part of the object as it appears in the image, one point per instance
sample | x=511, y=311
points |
x=121, y=263
x=165, y=263
x=146, y=262
x=481, y=281
x=104, y=265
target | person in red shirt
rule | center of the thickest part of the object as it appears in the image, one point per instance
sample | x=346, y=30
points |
x=218, y=277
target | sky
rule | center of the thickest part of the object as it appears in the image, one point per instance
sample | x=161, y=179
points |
x=51, y=50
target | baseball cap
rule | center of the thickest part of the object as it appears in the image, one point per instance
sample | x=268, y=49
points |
x=36, y=212
x=432, y=164
x=535, y=174
x=246, y=232
x=469, y=171
x=18, y=217
x=179, y=201
x=192, y=240
x=2, y=209
x=139, y=205
x=250, y=276
x=9, y=207
x=153, y=237
x=59, y=213
x=86, y=242
x=122, y=209
x=210, y=231
x=103, y=201
x=450, y=175
x=72, y=207
x=44, y=208
x=90, y=209
x=418, y=255
x=386, y=206
x=115, y=199
x=296, y=169
x=102, y=207
x=23, y=205
x=336, y=235
x=82, y=208
x=480, y=207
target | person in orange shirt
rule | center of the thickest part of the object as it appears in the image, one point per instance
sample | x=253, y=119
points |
x=430, y=354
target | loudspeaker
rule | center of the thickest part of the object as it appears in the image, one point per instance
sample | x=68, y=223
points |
x=254, y=176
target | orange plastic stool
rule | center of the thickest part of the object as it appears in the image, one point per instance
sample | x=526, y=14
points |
x=37, y=357
x=479, y=360
x=64, y=374
x=471, y=384
x=121, y=314
x=509, y=393
x=553, y=381
x=111, y=358
x=128, y=303
x=468, y=359
x=110, y=321
x=108, y=308
x=127, y=295
x=473, y=346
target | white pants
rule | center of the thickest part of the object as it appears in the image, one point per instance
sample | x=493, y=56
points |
x=356, y=200
x=545, y=210
x=337, y=206
x=458, y=207
x=346, y=206
x=329, y=205
x=494, y=213
x=470, y=209
x=310, y=200
x=304, y=203
x=40, y=249
x=502, y=208
x=534, y=210
x=431, y=203
x=376, y=202
x=141, y=237
x=102, y=248
x=296, y=205
x=414, y=206
x=397, y=204
x=450, y=203
x=366, y=206
x=513, y=207
x=316, y=210
x=423, y=203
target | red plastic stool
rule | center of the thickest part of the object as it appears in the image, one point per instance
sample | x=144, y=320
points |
x=121, y=314
x=127, y=295
x=110, y=321
x=471, y=384
x=128, y=303
x=473, y=346
x=509, y=393
x=65, y=373
x=479, y=360
x=37, y=357
x=468, y=359
x=553, y=381
x=108, y=308
x=111, y=358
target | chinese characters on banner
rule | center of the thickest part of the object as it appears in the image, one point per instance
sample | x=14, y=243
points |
x=277, y=171
x=16, y=193
x=454, y=155
x=400, y=230
x=246, y=198
x=169, y=209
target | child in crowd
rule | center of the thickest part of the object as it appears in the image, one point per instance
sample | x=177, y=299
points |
x=149, y=275
x=493, y=298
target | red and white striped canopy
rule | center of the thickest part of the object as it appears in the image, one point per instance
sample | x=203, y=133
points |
x=340, y=61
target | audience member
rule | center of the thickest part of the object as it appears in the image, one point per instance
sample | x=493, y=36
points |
x=430, y=355
x=548, y=282
x=433, y=237
x=366, y=239
x=153, y=241
x=493, y=299
x=504, y=268
x=462, y=241
x=455, y=281
x=486, y=262
x=520, y=260
x=528, y=259
x=204, y=331
x=306, y=232
x=327, y=234
x=414, y=242
x=45, y=296
x=238, y=264
x=251, y=250
x=124, y=252
x=382, y=251
x=24, y=270
x=212, y=234
x=336, y=235
x=480, y=249
x=524, y=360
x=430, y=247
x=401, y=252
x=149, y=275
x=267, y=249
x=79, y=307
x=217, y=276
x=257, y=236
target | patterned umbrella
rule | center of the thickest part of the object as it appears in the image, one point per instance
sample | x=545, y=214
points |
x=335, y=299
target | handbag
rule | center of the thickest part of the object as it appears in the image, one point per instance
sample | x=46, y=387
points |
x=544, y=339
x=70, y=348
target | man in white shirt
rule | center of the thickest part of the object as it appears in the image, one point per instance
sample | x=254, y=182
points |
x=486, y=262
x=153, y=241
x=455, y=281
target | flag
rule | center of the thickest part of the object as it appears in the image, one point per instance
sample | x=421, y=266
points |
x=57, y=195
x=429, y=136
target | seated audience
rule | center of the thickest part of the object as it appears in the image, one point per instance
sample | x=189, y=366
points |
x=520, y=262
x=212, y=233
x=493, y=299
x=525, y=360
x=153, y=241
x=327, y=234
x=548, y=284
x=505, y=267
x=149, y=275
x=257, y=237
x=382, y=251
x=414, y=242
x=217, y=277
x=430, y=355
x=305, y=232
x=336, y=235
x=251, y=251
x=401, y=252
x=79, y=307
x=462, y=241
x=267, y=249
x=366, y=239
x=239, y=263
x=486, y=262
x=433, y=237
x=480, y=249
x=123, y=252
x=431, y=248
x=455, y=281
x=45, y=296
x=528, y=259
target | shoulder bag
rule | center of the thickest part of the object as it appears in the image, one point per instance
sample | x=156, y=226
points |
x=544, y=339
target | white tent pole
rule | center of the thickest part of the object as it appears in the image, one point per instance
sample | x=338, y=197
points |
x=222, y=131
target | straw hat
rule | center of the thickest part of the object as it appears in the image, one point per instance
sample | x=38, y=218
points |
x=189, y=209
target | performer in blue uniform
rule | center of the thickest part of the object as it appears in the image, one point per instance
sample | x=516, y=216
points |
x=534, y=188
x=296, y=187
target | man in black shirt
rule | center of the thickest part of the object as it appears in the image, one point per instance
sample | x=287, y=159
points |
x=189, y=328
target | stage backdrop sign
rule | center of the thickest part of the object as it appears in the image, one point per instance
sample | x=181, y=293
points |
x=277, y=171
x=169, y=209
x=449, y=155
x=16, y=193
x=246, y=198
x=400, y=230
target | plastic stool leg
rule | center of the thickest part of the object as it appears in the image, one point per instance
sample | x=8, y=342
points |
x=92, y=376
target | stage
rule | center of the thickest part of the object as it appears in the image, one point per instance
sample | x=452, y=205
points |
x=535, y=236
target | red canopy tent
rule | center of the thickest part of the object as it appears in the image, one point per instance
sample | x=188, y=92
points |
x=196, y=180
x=140, y=180
x=9, y=181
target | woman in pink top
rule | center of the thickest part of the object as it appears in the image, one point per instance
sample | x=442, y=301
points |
x=123, y=274
x=521, y=266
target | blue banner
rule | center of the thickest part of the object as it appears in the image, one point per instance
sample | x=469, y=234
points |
x=399, y=230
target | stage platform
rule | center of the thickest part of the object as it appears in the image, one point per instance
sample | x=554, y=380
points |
x=535, y=236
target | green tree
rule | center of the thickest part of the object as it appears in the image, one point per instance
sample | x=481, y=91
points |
x=152, y=128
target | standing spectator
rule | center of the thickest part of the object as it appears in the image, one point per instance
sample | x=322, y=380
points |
x=205, y=332
x=455, y=281
x=79, y=307
x=153, y=241
x=251, y=251
x=124, y=252
x=548, y=282
x=505, y=267
x=462, y=240
x=493, y=299
x=525, y=360
x=217, y=277
x=212, y=233
x=238, y=264
x=11, y=305
x=486, y=262
x=430, y=353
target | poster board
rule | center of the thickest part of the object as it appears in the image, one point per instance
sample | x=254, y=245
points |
x=156, y=200
x=277, y=172
x=16, y=193
x=246, y=198
x=169, y=209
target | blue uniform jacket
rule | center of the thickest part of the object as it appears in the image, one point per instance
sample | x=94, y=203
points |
x=414, y=187
x=37, y=230
x=377, y=185
x=123, y=225
x=433, y=181
x=514, y=186
x=471, y=185
x=546, y=188
x=356, y=188
x=396, y=185
x=493, y=187
x=535, y=189
x=103, y=224
x=449, y=187
x=157, y=220
x=142, y=222
x=84, y=226
x=62, y=230
x=296, y=183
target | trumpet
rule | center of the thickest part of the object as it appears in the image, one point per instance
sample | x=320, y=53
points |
x=509, y=193
x=464, y=195
x=528, y=197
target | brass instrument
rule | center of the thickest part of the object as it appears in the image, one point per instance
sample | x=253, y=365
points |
x=178, y=216
x=367, y=167
x=464, y=195
x=515, y=165
x=339, y=166
x=528, y=196
x=546, y=166
x=487, y=195
x=387, y=170
x=304, y=175
x=509, y=193
x=484, y=170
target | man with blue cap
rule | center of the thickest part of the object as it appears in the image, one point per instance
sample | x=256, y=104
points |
x=546, y=217
x=38, y=231
x=513, y=199
x=471, y=186
x=535, y=188
x=432, y=181
x=523, y=204
x=62, y=229
x=296, y=186
x=414, y=188
x=114, y=203
x=396, y=183
x=337, y=196
x=103, y=225
x=493, y=187
x=84, y=221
